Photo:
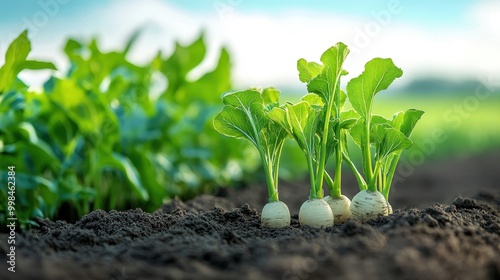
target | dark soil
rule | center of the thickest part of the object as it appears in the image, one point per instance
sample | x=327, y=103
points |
x=219, y=238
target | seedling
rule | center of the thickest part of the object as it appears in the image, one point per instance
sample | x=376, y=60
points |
x=315, y=124
x=246, y=116
x=388, y=138
x=320, y=128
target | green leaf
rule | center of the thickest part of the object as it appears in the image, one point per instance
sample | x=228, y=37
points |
x=11, y=101
x=234, y=122
x=180, y=63
x=36, y=65
x=279, y=116
x=207, y=88
x=313, y=99
x=327, y=83
x=358, y=134
x=132, y=39
x=272, y=138
x=378, y=75
x=383, y=136
x=37, y=148
x=270, y=95
x=409, y=120
x=124, y=165
x=87, y=111
x=348, y=118
x=388, y=140
x=243, y=116
x=304, y=121
x=378, y=119
x=308, y=70
x=331, y=140
x=16, y=54
x=15, y=62
x=26, y=181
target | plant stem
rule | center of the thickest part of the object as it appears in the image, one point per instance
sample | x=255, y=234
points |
x=367, y=157
x=312, y=177
x=361, y=182
x=324, y=140
x=273, y=194
x=337, y=192
x=266, y=162
x=372, y=183
x=390, y=176
x=275, y=166
x=322, y=155
x=333, y=191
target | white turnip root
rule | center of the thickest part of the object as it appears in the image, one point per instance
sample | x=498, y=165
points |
x=367, y=205
x=275, y=214
x=340, y=208
x=316, y=213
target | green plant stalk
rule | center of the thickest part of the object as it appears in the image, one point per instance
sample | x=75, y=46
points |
x=367, y=157
x=322, y=156
x=380, y=180
x=390, y=175
x=330, y=183
x=312, y=178
x=361, y=182
x=267, y=163
x=336, y=191
x=275, y=166
x=372, y=183
x=273, y=194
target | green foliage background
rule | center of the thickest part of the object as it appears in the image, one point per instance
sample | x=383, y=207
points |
x=108, y=135
x=112, y=134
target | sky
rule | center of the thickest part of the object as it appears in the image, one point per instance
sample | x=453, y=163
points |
x=449, y=39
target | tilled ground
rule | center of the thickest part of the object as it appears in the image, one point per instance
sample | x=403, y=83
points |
x=201, y=240
x=219, y=237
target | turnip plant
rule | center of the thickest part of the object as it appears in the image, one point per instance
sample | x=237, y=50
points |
x=315, y=125
x=320, y=127
x=246, y=116
x=388, y=138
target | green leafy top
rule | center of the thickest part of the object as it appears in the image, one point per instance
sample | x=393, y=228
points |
x=246, y=116
x=324, y=80
x=16, y=61
x=388, y=137
x=379, y=73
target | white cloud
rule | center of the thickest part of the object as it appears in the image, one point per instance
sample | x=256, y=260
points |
x=265, y=47
x=486, y=14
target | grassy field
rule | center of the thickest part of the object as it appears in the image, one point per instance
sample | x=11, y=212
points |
x=453, y=125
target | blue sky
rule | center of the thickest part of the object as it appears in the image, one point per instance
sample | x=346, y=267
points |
x=423, y=12
x=450, y=39
x=429, y=13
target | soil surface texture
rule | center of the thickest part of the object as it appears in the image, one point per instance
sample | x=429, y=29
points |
x=218, y=237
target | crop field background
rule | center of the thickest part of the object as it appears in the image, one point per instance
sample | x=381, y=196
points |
x=467, y=124
x=141, y=139
x=89, y=126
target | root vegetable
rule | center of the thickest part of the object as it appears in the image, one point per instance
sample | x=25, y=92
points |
x=367, y=205
x=316, y=213
x=275, y=214
x=340, y=208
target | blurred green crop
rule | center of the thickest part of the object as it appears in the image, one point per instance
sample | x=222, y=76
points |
x=111, y=134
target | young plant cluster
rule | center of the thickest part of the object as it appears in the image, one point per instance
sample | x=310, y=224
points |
x=112, y=134
x=321, y=128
